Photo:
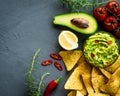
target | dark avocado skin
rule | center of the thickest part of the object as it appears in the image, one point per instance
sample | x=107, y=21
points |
x=65, y=20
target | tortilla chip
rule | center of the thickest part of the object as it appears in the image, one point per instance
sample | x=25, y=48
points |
x=117, y=73
x=95, y=71
x=74, y=82
x=118, y=92
x=70, y=58
x=98, y=94
x=83, y=91
x=114, y=66
x=105, y=73
x=78, y=93
x=97, y=81
x=84, y=65
x=87, y=81
x=112, y=86
x=72, y=93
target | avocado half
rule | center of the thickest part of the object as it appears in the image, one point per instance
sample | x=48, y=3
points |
x=65, y=20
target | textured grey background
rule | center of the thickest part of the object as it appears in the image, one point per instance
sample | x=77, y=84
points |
x=25, y=26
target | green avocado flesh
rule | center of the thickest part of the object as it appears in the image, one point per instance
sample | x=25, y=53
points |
x=65, y=20
x=101, y=49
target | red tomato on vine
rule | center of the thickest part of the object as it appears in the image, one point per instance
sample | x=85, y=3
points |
x=110, y=23
x=112, y=6
x=100, y=13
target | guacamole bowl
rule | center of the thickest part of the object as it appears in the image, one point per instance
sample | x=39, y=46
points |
x=101, y=49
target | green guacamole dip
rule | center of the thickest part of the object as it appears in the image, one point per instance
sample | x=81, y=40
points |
x=101, y=49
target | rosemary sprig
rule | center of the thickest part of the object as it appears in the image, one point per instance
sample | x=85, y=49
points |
x=30, y=79
x=78, y=5
x=38, y=92
x=33, y=89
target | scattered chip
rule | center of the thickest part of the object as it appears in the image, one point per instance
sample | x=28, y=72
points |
x=70, y=58
x=118, y=92
x=117, y=73
x=95, y=71
x=105, y=73
x=87, y=82
x=78, y=93
x=83, y=91
x=75, y=82
x=98, y=94
x=97, y=81
x=112, y=86
x=72, y=93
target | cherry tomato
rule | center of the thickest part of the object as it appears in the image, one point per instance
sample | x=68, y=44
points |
x=112, y=6
x=118, y=14
x=100, y=13
x=110, y=23
x=117, y=33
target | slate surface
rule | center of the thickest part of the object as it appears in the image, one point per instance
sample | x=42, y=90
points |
x=25, y=26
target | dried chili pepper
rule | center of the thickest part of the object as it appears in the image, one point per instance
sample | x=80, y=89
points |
x=55, y=56
x=46, y=62
x=51, y=86
x=58, y=66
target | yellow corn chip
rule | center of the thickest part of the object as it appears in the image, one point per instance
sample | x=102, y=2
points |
x=95, y=71
x=78, y=93
x=118, y=92
x=117, y=73
x=70, y=58
x=98, y=94
x=97, y=81
x=72, y=93
x=75, y=82
x=87, y=81
x=83, y=91
x=112, y=86
x=105, y=73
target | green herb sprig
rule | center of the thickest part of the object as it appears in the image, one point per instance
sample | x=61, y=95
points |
x=34, y=89
x=78, y=5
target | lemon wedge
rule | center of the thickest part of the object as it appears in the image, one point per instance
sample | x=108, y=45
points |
x=68, y=40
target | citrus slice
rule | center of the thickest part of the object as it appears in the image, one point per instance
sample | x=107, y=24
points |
x=68, y=40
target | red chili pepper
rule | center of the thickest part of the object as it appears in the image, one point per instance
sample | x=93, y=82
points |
x=52, y=85
x=46, y=62
x=58, y=66
x=55, y=56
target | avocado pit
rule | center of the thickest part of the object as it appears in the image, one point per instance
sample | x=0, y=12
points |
x=80, y=22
